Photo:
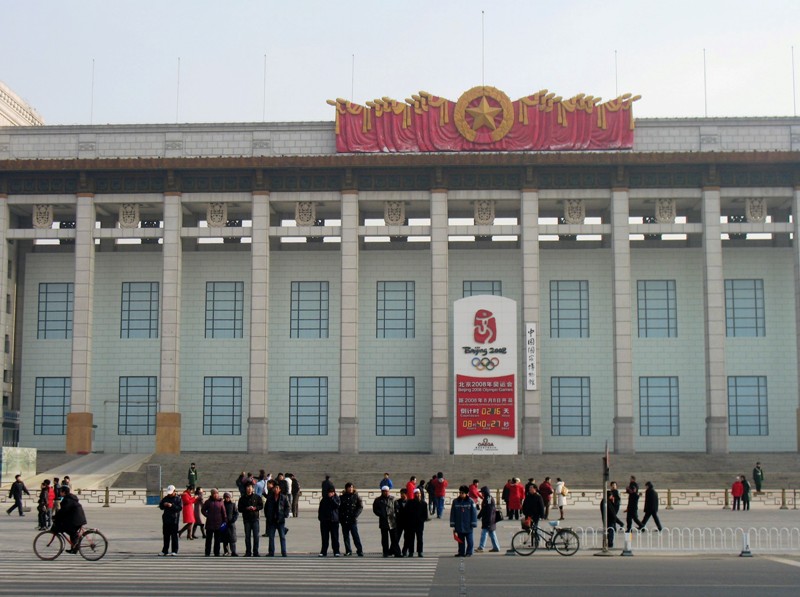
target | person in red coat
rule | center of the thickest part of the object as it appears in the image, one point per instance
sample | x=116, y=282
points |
x=411, y=486
x=439, y=492
x=187, y=507
x=516, y=493
x=737, y=489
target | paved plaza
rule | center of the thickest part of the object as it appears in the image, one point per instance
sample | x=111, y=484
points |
x=132, y=566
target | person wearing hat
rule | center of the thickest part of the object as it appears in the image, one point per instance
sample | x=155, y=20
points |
x=463, y=519
x=383, y=508
x=171, y=507
x=328, y=515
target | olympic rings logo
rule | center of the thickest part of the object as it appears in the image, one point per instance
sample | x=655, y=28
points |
x=485, y=363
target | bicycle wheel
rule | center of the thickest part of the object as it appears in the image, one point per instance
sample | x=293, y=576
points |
x=524, y=543
x=566, y=542
x=47, y=545
x=93, y=545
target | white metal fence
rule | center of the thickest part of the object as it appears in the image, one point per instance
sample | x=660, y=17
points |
x=699, y=539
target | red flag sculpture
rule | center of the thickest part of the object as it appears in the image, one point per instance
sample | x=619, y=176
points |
x=484, y=119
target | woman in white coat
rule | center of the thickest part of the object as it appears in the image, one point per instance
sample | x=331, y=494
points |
x=561, y=492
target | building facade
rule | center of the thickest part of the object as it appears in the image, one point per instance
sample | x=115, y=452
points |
x=247, y=288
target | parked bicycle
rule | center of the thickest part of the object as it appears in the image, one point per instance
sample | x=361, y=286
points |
x=91, y=544
x=564, y=541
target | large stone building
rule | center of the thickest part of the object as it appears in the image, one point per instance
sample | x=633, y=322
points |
x=245, y=287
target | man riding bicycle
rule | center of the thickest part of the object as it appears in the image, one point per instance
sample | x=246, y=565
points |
x=69, y=518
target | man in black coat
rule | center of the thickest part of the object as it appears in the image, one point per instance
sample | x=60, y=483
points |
x=249, y=506
x=415, y=517
x=171, y=507
x=633, y=505
x=350, y=508
x=16, y=491
x=328, y=515
x=70, y=516
x=533, y=505
x=276, y=512
x=650, y=506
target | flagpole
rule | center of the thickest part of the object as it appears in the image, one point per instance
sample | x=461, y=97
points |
x=604, y=503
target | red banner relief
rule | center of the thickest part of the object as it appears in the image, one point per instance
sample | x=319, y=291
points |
x=484, y=119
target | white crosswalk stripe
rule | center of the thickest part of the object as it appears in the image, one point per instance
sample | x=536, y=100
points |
x=191, y=574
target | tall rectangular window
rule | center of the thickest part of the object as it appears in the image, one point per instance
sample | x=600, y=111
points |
x=569, y=308
x=222, y=406
x=658, y=406
x=744, y=308
x=55, y=310
x=476, y=287
x=570, y=406
x=308, y=406
x=657, y=306
x=394, y=412
x=309, y=310
x=747, y=405
x=395, y=315
x=138, y=403
x=224, y=309
x=139, y=310
x=51, y=405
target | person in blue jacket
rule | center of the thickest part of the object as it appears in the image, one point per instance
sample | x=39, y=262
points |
x=386, y=481
x=463, y=519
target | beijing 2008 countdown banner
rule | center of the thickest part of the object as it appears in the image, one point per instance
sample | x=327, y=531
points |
x=485, y=368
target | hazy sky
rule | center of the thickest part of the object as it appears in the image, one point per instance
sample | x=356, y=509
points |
x=400, y=48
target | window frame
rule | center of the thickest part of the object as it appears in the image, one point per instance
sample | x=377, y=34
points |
x=153, y=301
x=128, y=403
x=406, y=402
x=217, y=326
x=646, y=310
x=210, y=425
x=320, y=314
x=40, y=418
x=646, y=406
x=735, y=324
x=496, y=288
x=584, y=416
x=761, y=406
x=47, y=302
x=299, y=401
x=557, y=307
x=391, y=292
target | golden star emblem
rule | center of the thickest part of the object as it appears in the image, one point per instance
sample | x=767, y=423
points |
x=483, y=115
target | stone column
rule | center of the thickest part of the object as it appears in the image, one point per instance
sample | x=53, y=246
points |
x=5, y=287
x=796, y=251
x=714, y=302
x=621, y=304
x=258, y=417
x=348, y=347
x=168, y=419
x=532, y=400
x=441, y=430
x=79, y=419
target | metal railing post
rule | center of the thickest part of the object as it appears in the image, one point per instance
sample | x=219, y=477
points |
x=105, y=503
x=783, y=500
x=727, y=505
x=669, y=499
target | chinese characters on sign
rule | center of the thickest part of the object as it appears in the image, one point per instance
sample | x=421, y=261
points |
x=485, y=405
x=530, y=356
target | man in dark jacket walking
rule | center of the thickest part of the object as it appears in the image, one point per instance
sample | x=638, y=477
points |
x=16, y=491
x=276, y=512
x=328, y=515
x=650, y=506
x=400, y=516
x=249, y=506
x=171, y=507
x=350, y=508
x=633, y=505
x=488, y=517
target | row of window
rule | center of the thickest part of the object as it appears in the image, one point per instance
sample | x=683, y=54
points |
x=395, y=308
x=570, y=406
x=222, y=405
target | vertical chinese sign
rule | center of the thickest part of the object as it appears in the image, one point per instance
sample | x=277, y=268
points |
x=485, y=368
x=530, y=356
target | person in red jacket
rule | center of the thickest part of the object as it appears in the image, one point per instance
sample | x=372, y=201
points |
x=411, y=486
x=474, y=492
x=737, y=489
x=439, y=492
x=516, y=493
x=546, y=491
